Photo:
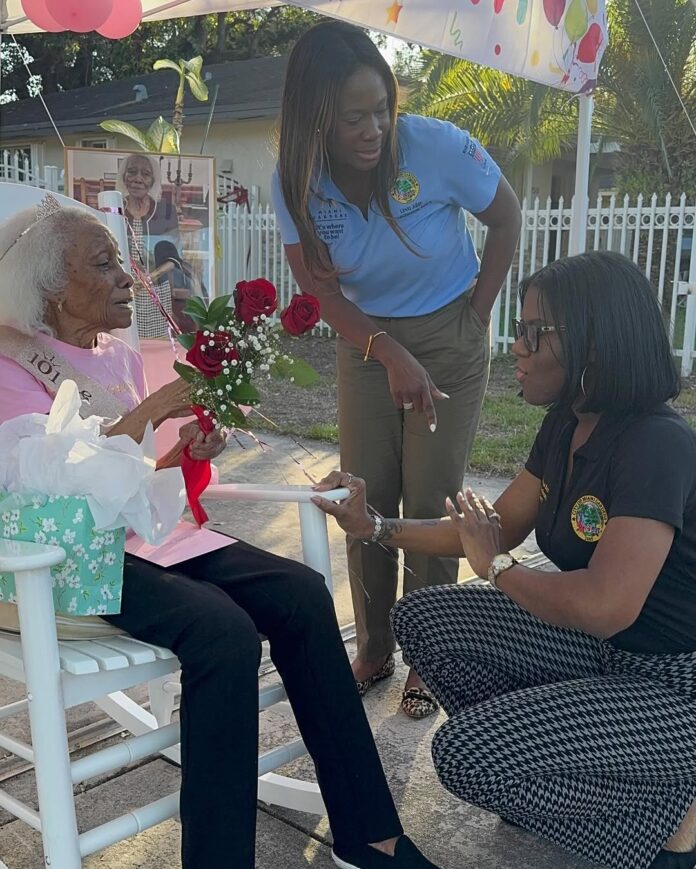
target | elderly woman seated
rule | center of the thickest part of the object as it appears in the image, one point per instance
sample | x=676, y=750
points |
x=571, y=695
x=62, y=289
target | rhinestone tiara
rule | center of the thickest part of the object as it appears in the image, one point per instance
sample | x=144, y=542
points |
x=49, y=205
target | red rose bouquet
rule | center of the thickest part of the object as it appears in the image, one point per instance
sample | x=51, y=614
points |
x=234, y=342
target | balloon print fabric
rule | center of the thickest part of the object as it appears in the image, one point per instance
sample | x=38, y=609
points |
x=554, y=42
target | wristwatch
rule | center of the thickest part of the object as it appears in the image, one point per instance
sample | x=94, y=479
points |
x=502, y=562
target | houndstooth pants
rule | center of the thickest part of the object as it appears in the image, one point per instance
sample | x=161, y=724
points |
x=579, y=742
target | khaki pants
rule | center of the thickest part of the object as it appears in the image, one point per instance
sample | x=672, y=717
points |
x=401, y=460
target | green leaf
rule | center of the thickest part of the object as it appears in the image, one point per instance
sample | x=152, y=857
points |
x=195, y=308
x=164, y=136
x=198, y=87
x=167, y=64
x=186, y=340
x=217, y=309
x=244, y=393
x=131, y=132
x=232, y=417
x=195, y=65
x=186, y=372
x=302, y=372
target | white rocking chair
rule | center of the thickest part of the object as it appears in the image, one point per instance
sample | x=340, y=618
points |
x=59, y=675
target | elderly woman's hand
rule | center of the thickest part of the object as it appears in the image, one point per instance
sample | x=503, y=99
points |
x=173, y=399
x=478, y=526
x=351, y=514
x=202, y=446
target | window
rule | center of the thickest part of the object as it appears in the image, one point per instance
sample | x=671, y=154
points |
x=104, y=143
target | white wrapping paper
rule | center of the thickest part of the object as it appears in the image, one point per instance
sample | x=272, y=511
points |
x=63, y=454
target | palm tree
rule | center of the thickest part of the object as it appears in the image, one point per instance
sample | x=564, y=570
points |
x=162, y=136
x=526, y=123
x=636, y=107
x=639, y=108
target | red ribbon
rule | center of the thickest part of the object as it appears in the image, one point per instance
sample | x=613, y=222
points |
x=197, y=472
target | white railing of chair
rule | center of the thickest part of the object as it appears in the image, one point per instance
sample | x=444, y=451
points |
x=655, y=232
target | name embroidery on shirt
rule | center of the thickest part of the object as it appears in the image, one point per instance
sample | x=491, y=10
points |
x=406, y=188
x=588, y=518
x=330, y=222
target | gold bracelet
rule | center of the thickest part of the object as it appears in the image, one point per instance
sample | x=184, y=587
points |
x=369, y=344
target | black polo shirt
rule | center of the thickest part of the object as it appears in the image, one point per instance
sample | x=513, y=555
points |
x=643, y=466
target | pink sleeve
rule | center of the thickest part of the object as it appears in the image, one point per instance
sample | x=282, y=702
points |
x=138, y=372
x=20, y=392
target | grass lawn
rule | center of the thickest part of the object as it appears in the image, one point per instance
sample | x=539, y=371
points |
x=506, y=429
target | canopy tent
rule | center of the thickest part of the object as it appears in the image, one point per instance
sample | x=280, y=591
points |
x=554, y=42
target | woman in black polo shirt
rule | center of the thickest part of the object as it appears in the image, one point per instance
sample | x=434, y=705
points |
x=572, y=695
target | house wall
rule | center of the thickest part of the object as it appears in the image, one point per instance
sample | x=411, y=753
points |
x=245, y=145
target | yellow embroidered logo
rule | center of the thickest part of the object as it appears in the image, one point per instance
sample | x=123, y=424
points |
x=405, y=188
x=588, y=518
x=544, y=491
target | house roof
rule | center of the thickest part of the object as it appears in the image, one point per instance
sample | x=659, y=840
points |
x=248, y=89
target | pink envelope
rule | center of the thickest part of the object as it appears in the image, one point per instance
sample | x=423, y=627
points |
x=186, y=541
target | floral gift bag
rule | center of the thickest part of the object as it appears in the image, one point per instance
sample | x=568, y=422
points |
x=90, y=579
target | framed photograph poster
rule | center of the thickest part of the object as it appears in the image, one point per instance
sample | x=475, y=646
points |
x=170, y=210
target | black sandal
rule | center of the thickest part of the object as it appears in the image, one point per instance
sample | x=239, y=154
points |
x=418, y=702
x=674, y=860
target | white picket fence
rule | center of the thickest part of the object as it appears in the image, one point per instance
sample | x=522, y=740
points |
x=16, y=166
x=655, y=234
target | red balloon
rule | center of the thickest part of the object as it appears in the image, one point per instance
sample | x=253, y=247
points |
x=36, y=12
x=124, y=19
x=554, y=9
x=80, y=16
x=590, y=44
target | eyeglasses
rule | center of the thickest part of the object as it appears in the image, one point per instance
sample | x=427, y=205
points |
x=529, y=332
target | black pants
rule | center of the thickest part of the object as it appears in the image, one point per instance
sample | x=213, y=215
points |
x=209, y=611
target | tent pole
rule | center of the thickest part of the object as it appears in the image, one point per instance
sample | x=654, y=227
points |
x=578, y=223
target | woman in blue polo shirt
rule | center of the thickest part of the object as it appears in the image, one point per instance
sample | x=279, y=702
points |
x=370, y=209
x=571, y=695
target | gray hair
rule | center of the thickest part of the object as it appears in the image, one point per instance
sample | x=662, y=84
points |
x=155, y=192
x=33, y=268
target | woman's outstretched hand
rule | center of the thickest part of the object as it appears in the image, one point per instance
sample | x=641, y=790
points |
x=351, y=514
x=478, y=526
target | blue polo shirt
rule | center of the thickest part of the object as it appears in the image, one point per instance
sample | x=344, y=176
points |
x=443, y=171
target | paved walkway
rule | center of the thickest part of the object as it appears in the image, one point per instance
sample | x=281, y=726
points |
x=454, y=835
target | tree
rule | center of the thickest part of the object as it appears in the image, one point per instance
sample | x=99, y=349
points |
x=639, y=108
x=161, y=135
x=64, y=61
x=635, y=104
x=526, y=122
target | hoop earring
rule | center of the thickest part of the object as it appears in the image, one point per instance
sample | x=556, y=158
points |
x=582, y=381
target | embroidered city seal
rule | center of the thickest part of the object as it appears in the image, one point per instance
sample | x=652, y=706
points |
x=406, y=188
x=588, y=518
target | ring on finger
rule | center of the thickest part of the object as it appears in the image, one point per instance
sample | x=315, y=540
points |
x=407, y=405
x=349, y=479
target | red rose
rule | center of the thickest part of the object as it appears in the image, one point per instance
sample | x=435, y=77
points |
x=209, y=351
x=254, y=298
x=301, y=315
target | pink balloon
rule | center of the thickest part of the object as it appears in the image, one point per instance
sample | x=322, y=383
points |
x=80, y=16
x=554, y=9
x=124, y=19
x=36, y=12
x=590, y=43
